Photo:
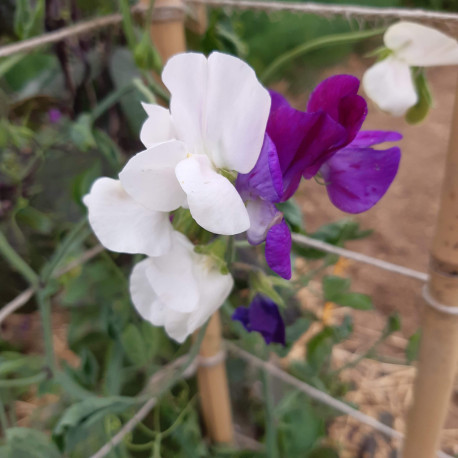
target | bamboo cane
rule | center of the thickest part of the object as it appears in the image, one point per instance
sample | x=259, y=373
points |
x=213, y=387
x=167, y=30
x=438, y=355
x=168, y=35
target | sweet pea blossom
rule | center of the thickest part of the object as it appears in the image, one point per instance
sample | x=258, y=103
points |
x=123, y=225
x=389, y=83
x=179, y=290
x=262, y=316
x=323, y=140
x=214, y=128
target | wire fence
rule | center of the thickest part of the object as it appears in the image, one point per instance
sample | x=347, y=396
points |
x=446, y=20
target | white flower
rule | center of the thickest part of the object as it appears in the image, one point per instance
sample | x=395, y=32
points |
x=123, y=225
x=217, y=120
x=179, y=290
x=389, y=83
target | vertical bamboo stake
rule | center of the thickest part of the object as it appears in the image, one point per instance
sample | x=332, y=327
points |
x=439, y=345
x=213, y=387
x=168, y=35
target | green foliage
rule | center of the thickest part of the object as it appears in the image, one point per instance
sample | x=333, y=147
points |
x=413, y=346
x=420, y=110
x=25, y=443
x=335, y=290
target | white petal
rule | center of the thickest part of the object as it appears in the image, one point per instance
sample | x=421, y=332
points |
x=213, y=201
x=214, y=289
x=123, y=225
x=149, y=177
x=185, y=76
x=145, y=300
x=172, y=276
x=158, y=126
x=421, y=46
x=237, y=111
x=390, y=85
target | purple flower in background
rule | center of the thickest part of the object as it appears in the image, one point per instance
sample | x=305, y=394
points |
x=54, y=115
x=326, y=140
x=262, y=316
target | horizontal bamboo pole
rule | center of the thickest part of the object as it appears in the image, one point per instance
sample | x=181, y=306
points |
x=438, y=355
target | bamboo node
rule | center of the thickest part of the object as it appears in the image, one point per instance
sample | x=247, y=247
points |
x=214, y=360
x=447, y=309
x=168, y=13
x=443, y=268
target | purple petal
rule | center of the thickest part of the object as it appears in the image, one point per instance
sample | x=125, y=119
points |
x=278, y=249
x=337, y=96
x=357, y=178
x=263, y=215
x=265, y=180
x=374, y=137
x=264, y=317
x=304, y=141
x=242, y=314
x=286, y=127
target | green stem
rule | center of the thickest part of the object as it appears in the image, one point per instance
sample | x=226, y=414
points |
x=313, y=45
x=110, y=100
x=14, y=383
x=64, y=247
x=156, y=88
x=271, y=430
x=16, y=261
x=45, y=312
x=127, y=23
x=3, y=418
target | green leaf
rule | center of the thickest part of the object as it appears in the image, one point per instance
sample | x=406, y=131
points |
x=334, y=286
x=292, y=214
x=392, y=325
x=74, y=424
x=420, y=110
x=25, y=443
x=35, y=219
x=262, y=283
x=217, y=251
x=81, y=132
x=134, y=345
x=323, y=452
x=21, y=18
x=145, y=53
x=413, y=346
x=354, y=300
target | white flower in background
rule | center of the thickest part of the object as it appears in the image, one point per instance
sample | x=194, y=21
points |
x=389, y=83
x=179, y=290
x=123, y=225
x=216, y=123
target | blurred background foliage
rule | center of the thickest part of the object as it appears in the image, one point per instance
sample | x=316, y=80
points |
x=71, y=112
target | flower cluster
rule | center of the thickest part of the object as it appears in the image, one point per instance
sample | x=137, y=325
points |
x=230, y=151
x=390, y=82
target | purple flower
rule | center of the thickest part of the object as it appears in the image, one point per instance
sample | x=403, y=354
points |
x=323, y=140
x=262, y=316
x=54, y=115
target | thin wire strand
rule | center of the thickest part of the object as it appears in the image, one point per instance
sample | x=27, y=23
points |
x=385, y=265
x=328, y=10
x=67, y=32
x=25, y=296
x=348, y=11
x=319, y=395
